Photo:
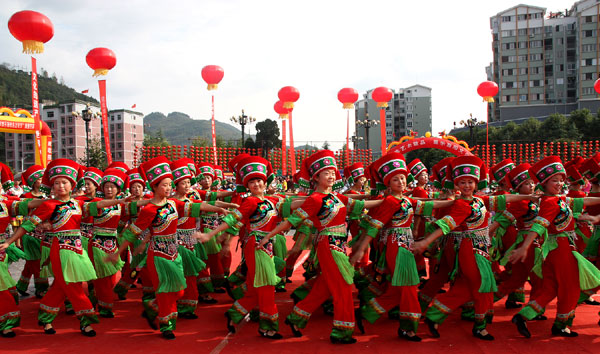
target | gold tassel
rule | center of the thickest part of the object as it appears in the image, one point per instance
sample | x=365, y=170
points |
x=100, y=72
x=288, y=104
x=283, y=116
x=382, y=104
x=212, y=87
x=33, y=47
x=348, y=105
x=488, y=99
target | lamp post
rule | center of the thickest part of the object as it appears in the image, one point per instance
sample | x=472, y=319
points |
x=87, y=115
x=243, y=120
x=355, y=139
x=367, y=123
x=470, y=123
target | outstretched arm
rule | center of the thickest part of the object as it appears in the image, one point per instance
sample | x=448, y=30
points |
x=420, y=246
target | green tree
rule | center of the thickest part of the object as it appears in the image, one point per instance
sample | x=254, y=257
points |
x=558, y=127
x=429, y=157
x=267, y=134
x=155, y=139
x=325, y=145
x=528, y=131
x=97, y=154
x=250, y=144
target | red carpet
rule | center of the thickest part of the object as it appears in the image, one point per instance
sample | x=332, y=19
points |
x=129, y=333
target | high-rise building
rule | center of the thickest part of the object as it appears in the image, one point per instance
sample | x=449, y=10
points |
x=409, y=110
x=544, y=63
x=125, y=127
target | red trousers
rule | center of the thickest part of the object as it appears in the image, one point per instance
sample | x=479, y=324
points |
x=31, y=268
x=167, y=302
x=519, y=274
x=9, y=311
x=330, y=283
x=104, y=291
x=216, y=267
x=467, y=284
x=55, y=296
x=438, y=279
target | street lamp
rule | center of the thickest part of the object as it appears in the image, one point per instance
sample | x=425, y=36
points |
x=470, y=123
x=355, y=139
x=367, y=123
x=243, y=120
x=87, y=115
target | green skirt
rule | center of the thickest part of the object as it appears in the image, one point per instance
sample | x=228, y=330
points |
x=170, y=274
x=192, y=265
x=103, y=268
x=76, y=268
x=6, y=280
x=32, y=247
x=46, y=270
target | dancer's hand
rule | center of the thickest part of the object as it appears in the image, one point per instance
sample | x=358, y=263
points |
x=419, y=247
x=518, y=255
x=112, y=258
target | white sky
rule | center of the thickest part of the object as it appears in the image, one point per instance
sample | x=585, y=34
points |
x=317, y=46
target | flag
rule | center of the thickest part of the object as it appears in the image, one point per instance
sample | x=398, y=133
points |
x=85, y=91
x=134, y=105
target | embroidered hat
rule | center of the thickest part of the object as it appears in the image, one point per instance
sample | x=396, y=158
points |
x=501, y=169
x=354, y=172
x=134, y=176
x=61, y=168
x=253, y=167
x=119, y=165
x=546, y=168
x=439, y=176
x=180, y=170
x=32, y=174
x=573, y=168
x=218, y=172
x=317, y=162
x=590, y=168
x=467, y=166
x=116, y=176
x=415, y=168
x=93, y=174
x=232, y=165
x=155, y=170
x=206, y=169
x=388, y=166
x=7, y=177
x=518, y=175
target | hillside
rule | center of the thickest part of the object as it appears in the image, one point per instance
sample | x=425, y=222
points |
x=178, y=128
x=15, y=88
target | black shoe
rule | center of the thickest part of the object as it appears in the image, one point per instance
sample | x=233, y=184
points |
x=50, y=330
x=207, y=299
x=358, y=318
x=10, y=334
x=403, y=334
x=343, y=340
x=295, y=331
x=90, y=333
x=280, y=290
x=228, y=290
x=265, y=334
x=295, y=298
x=441, y=291
x=188, y=315
x=519, y=321
x=562, y=333
x=151, y=323
x=509, y=304
x=70, y=312
x=540, y=318
x=288, y=281
x=23, y=293
x=592, y=302
x=431, y=325
x=40, y=294
x=168, y=335
x=477, y=334
x=121, y=297
x=107, y=315
x=219, y=291
x=230, y=326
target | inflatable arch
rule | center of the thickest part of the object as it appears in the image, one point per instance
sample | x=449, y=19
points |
x=21, y=122
x=446, y=142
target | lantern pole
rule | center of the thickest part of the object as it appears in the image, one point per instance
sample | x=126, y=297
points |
x=382, y=130
x=283, y=148
x=292, y=152
x=347, y=157
x=214, y=135
x=487, y=134
x=35, y=105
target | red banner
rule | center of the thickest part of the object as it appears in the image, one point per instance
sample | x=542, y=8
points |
x=283, y=149
x=35, y=104
x=102, y=85
x=214, y=134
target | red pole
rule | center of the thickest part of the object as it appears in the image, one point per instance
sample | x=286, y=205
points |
x=292, y=148
x=347, y=137
x=214, y=134
x=382, y=130
x=283, y=148
x=487, y=134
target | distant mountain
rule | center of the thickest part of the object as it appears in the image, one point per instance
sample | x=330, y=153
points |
x=179, y=128
x=15, y=88
x=307, y=147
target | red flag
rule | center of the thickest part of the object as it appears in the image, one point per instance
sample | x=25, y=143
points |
x=85, y=91
x=134, y=105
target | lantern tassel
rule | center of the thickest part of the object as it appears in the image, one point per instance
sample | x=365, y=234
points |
x=100, y=72
x=488, y=99
x=348, y=105
x=288, y=104
x=211, y=87
x=33, y=47
x=382, y=104
x=283, y=116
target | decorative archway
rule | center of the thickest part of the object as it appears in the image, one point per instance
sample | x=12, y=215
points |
x=21, y=122
x=446, y=142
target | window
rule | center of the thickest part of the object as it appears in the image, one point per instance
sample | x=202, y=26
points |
x=522, y=45
x=587, y=76
x=522, y=71
x=70, y=130
x=112, y=118
x=62, y=120
x=560, y=67
x=508, y=84
x=522, y=84
x=535, y=44
x=588, y=33
x=120, y=145
x=589, y=19
x=560, y=81
x=523, y=32
x=588, y=62
x=535, y=57
x=506, y=98
x=62, y=130
x=510, y=33
x=506, y=18
x=507, y=46
x=71, y=141
x=588, y=91
x=522, y=98
x=118, y=117
x=588, y=48
x=507, y=72
x=71, y=151
x=535, y=83
x=50, y=114
x=70, y=119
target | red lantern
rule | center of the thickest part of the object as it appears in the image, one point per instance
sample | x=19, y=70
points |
x=212, y=74
x=348, y=96
x=31, y=28
x=281, y=110
x=382, y=95
x=101, y=60
x=596, y=85
x=289, y=95
x=487, y=90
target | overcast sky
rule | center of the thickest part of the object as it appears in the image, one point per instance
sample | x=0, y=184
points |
x=317, y=46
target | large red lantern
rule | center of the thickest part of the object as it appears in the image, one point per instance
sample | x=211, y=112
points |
x=348, y=96
x=31, y=28
x=597, y=86
x=101, y=60
x=288, y=95
x=487, y=90
x=281, y=110
x=212, y=74
x=382, y=95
